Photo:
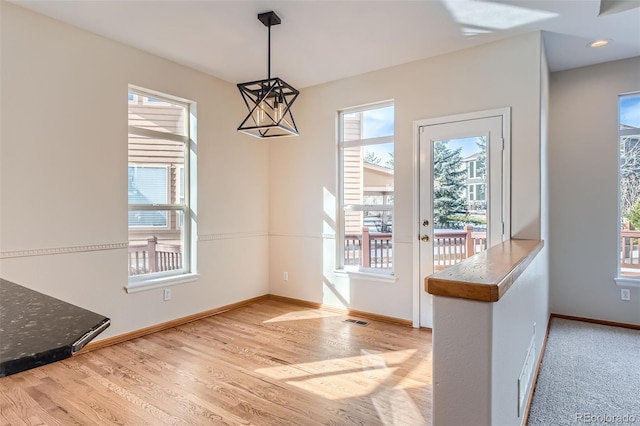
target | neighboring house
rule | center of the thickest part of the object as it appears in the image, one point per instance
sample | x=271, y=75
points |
x=156, y=168
x=475, y=184
x=378, y=189
x=365, y=184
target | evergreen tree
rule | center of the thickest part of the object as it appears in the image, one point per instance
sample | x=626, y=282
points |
x=481, y=165
x=449, y=182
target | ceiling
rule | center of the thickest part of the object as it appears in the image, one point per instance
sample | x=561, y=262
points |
x=320, y=41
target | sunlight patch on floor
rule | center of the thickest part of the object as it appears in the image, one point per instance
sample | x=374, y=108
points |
x=303, y=315
x=416, y=377
x=392, y=403
x=334, y=366
x=350, y=377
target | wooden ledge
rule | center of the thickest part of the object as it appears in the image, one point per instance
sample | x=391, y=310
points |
x=487, y=276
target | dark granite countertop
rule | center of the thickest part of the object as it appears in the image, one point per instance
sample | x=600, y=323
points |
x=36, y=329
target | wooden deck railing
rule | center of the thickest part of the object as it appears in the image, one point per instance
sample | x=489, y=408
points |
x=630, y=252
x=374, y=250
x=369, y=250
x=453, y=246
x=154, y=257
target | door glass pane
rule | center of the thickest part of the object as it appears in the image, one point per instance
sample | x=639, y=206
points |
x=459, y=199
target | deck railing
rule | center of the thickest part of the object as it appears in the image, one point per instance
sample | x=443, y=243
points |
x=154, y=257
x=453, y=246
x=369, y=250
x=630, y=252
x=375, y=250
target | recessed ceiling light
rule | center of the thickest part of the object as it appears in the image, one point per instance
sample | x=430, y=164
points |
x=599, y=43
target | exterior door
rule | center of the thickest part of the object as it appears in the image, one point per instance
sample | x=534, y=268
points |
x=462, y=194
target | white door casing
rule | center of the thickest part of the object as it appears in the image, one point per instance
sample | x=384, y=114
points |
x=494, y=125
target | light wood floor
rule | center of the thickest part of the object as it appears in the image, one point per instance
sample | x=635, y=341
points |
x=268, y=363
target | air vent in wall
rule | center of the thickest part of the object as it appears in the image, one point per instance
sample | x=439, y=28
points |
x=356, y=322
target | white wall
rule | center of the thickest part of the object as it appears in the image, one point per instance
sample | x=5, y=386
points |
x=302, y=174
x=477, y=382
x=63, y=164
x=583, y=172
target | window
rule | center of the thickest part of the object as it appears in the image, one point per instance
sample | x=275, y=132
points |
x=480, y=192
x=366, y=155
x=158, y=187
x=148, y=185
x=472, y=192
x=629, y=189
x=476, y=192
x=472, y=169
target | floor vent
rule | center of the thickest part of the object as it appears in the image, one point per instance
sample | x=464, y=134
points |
x=356, y=322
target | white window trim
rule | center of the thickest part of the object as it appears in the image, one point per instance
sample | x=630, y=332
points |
x=144, y=282
x=623, y=281
x=371, y=274
x=187, y=274
x=158, y=102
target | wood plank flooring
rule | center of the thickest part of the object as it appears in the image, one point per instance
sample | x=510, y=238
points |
x=268, y=363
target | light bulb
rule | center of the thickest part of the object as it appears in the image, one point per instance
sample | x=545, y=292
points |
x=260, y=113
x=278, y=109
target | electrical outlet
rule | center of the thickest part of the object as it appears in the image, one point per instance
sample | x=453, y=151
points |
x=167, y=294
x=285, y=276
x=625, y=294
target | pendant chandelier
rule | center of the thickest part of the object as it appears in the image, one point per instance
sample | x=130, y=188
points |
x=268, y=101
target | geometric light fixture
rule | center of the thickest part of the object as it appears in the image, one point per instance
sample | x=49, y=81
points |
x=268, y=101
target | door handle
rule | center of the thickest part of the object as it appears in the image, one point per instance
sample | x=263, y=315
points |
x=425, y=222
x=424, y=238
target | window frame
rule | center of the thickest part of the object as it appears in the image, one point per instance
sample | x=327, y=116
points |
x=187, y=273
x=623, y=280
x=180, y=180
x=157, y=101
x=342, y=269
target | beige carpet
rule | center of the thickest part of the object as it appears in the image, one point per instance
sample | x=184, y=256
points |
x=590, y=374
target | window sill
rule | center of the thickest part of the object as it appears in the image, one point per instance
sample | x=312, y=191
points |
x=370, y=276
x=627, y=281
x=153, y=283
